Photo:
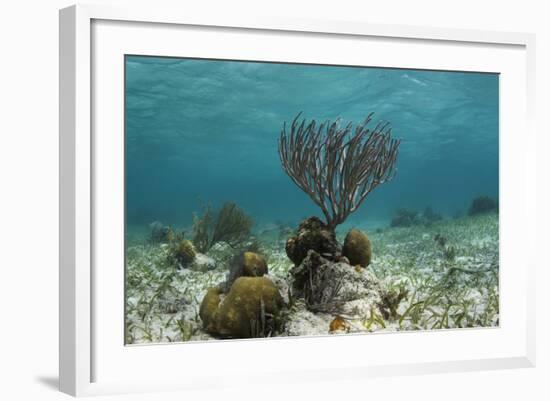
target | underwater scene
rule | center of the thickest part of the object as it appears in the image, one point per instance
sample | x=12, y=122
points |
x=268, y=199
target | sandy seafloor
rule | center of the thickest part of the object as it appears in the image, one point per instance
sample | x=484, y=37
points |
x=443, y=291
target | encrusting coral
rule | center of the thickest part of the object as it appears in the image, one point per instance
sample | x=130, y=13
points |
x=315, y=235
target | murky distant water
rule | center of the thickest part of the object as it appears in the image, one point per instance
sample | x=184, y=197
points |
x=200, y=131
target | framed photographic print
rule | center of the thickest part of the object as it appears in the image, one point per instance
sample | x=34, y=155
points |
x=334, y=198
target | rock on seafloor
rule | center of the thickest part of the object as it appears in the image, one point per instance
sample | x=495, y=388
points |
x=348, y=287
x=202, y=263
x=302, y=322
x=339, y=288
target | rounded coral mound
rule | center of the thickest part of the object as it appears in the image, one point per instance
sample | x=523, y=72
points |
x=209, y=309
x=253, y=264
x=339, y=325
x=185, y=252
x=247, y=264
x=357, y=248
x=250, y=309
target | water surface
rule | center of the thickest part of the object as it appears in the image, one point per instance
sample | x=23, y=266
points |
x=203, y=131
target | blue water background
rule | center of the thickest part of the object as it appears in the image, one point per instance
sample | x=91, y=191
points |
x=205, y=131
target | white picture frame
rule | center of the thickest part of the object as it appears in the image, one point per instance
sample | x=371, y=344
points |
x=88, y=355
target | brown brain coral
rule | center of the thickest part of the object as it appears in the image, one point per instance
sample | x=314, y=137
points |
x=250, y=309
x=254, y=265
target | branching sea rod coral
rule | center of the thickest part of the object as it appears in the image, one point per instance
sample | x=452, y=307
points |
x=338, y=166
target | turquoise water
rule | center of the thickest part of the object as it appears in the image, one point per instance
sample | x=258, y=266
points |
x=205, y=131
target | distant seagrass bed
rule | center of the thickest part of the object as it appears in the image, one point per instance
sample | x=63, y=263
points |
x=272, y=200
